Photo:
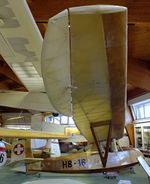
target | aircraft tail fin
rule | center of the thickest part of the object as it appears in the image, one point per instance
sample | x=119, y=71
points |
x=20, y=150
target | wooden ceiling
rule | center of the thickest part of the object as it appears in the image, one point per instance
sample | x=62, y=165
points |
x=138, y=40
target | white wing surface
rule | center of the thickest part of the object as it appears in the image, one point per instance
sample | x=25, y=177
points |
x=21, y=43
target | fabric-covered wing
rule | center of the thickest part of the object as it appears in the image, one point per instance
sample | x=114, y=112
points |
x=56, y=63
x=26, y=100
x=97, y=69
x=21, y=43
x=98, y=60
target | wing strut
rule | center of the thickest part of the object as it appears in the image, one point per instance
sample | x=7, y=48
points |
x=103, y=155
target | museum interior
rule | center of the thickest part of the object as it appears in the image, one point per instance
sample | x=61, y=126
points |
x=74, y=91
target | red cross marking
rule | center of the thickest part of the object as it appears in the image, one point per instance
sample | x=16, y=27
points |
x=18, y=149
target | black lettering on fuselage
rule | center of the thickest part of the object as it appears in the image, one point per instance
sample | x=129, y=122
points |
x=67, y=164
x=2, y=157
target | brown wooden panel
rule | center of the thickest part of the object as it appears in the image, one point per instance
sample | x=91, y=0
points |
x=42, y=10
x=135, y=92
x=139, y=41
x=138, y=74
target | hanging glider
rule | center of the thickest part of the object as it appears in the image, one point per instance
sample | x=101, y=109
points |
x=84, y=58
x=84, y=73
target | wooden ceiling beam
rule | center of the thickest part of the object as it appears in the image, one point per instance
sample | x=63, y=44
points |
x=135, y=93
x=138, y=11
x=138, y=74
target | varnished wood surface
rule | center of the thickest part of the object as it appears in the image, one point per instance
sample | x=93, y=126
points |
x=42, y=10
x=116, y=161
x=138, y=74
x=139, y=41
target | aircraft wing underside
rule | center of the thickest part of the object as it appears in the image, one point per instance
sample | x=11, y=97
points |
x=29, y=134
x=21, y=43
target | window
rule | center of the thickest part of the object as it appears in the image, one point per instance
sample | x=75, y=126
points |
x=61, y=119
x=141, y=110
x=65, y=120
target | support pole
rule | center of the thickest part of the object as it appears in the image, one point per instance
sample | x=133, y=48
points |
x=108, y=141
